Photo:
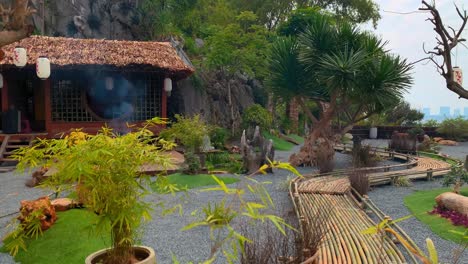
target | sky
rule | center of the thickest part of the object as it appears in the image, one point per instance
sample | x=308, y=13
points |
x=406, y=35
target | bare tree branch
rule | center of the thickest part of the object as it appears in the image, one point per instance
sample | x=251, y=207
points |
x=15, y=22
x=445, y=43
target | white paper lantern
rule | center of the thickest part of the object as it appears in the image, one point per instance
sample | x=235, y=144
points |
x=168, y=86
x=458, y=75
x=1, y=81
x=43, y=68
x=20, y=58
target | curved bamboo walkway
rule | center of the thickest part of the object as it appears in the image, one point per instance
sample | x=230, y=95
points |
x=343, y=212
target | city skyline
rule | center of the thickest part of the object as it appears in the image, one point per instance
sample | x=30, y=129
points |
x=444, y=112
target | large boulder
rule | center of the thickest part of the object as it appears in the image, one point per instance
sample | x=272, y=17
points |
x=453, y=201
x=43, y=204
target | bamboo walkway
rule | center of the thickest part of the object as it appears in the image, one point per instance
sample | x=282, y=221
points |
x=343, y=212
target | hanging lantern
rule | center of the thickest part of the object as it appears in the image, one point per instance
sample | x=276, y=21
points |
x=1, y=81
x=458, y=75
x=43, y=68
x=20, y=58
x=168, y=86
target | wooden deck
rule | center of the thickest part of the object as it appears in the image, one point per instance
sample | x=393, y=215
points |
x=330, y=196
x=10, y=143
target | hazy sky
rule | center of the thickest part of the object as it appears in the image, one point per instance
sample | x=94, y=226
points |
x=406, y=35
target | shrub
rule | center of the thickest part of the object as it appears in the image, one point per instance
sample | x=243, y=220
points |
x=431, y=123
x=256, y=115
x=415, y=131
x=189, y=131
x=454, y=128
x=107, y=167
x=402, y=181
x=218, y=137
x=363, y=157
x=359, y=181
x=456, y=177
x=193, y=162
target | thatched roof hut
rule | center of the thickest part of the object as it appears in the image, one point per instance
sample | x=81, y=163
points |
x=67, y=53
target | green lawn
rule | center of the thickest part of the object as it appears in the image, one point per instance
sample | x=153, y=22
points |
x=297, y=138
x=421, y=202
x=279, y=143
x=195, y=181
x=68, y=241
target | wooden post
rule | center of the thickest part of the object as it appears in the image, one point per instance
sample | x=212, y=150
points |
x=429, y=174
x=47, y=104
x=164, y=102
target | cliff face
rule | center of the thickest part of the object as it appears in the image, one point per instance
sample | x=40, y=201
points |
x=111, y=19
x=220, y=99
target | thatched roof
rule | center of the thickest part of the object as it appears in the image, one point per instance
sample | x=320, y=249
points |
x=72, y=53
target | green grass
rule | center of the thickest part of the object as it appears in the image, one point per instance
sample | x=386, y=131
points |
x=421, y=202
x=450, y=161
x=279, y=143
x=297, y=138
x=68, y=241
x=195, y=181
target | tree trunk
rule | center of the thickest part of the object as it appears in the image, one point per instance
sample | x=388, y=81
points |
x=256, y=152
x=318, y=148
x=294, y=115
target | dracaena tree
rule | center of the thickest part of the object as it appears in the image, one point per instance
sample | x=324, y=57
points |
x=346, y=71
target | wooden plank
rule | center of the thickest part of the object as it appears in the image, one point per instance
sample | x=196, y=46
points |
x=4, y=145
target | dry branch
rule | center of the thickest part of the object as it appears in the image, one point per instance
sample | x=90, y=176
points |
x=447, y=39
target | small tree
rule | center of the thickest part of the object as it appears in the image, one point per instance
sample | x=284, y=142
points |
x=189, y=131
x=457, y=177
x=106, y=168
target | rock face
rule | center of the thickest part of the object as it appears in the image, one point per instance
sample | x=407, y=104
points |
x=42, y=204
x=221, y=99
x=453, y=201
x=118, y=19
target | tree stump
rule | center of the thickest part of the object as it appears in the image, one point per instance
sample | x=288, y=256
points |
x=256, y=152
x=42, y=204
x=466, y=163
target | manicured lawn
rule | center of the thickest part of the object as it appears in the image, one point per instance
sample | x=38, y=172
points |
x=69, y=240
x=297, y=137
x=279, y=143
x=421, y=202
x=195, y=181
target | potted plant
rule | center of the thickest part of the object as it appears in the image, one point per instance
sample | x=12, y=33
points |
x=106, y=168
x=374, y=122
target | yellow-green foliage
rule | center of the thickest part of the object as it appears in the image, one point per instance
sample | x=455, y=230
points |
x=188, y=130
x=105, y=166
x=256, y=115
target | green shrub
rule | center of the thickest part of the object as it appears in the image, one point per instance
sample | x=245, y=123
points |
x=415, y=131
x=256, y=115
x=193, y=162
x=454, y=128
x=431, y=123
x=189, y=131
x=218, y=137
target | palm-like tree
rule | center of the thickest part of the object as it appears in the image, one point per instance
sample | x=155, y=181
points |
x=344, y=70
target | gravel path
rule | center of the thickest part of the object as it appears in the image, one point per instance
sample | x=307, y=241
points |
x=390, y=200
x=163, y=233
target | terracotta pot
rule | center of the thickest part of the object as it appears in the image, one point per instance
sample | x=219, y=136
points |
x=141, y=252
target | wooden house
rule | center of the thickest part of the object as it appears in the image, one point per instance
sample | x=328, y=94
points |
x=93, y=83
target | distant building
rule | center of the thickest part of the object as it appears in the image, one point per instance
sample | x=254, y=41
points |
x=427, y=112
x=445, y=111
x=457, y=112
